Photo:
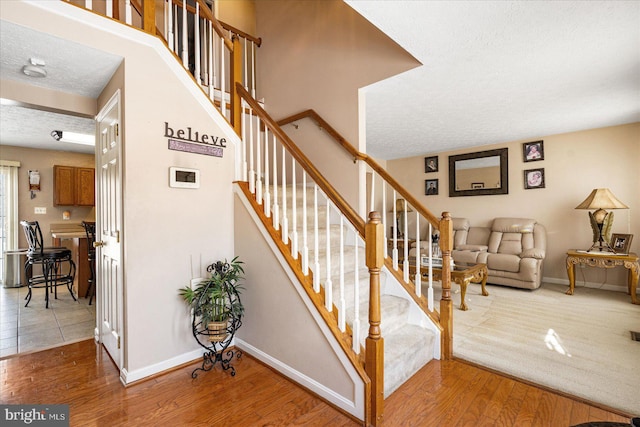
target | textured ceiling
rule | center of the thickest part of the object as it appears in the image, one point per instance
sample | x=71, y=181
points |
x=71, y=68
x=493, y=72
x=502, y=71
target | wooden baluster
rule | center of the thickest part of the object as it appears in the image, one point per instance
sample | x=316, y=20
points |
x=316, y=264
x=258, y=161
x=418, y=275
x=211, y=57
x=374, y=352
x=185, y=37
x=276, y=209
x=405, y=263
x=245, y=81
x=169, y=7
x=373, y=192
x=252, y=172
x=196, y=46
x=430, y=290
x=223, y=96
x=253, y=69
x=384, y=217
x=394, y=251
x=285, y=214
x=341, y=302
x=243, y=148
x=305, y=246
x=294, y=211
x=128, y=16
x=446, y=305
x=356, y=295
x=267, y=193
x=328, y=285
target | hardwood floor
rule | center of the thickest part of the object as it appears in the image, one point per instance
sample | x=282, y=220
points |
x=441, y=394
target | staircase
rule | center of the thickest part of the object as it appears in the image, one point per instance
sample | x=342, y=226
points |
x=408, y=347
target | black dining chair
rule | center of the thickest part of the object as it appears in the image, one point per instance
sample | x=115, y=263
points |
x=56, y=263
x=90, y=229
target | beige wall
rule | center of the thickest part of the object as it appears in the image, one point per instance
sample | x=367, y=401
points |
x=43, y=161
x=240, y=14
x=316, y=55
x=170, y=234
x=575, y=163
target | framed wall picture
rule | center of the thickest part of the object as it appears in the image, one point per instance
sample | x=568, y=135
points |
x=621, y=242
x=533, y=178
x=431, y=187
x=533, y=151
x=431, y=164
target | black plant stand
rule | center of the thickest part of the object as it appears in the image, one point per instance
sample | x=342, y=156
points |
x=218, y=351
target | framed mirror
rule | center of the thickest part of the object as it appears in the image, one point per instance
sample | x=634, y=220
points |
x=479, y=174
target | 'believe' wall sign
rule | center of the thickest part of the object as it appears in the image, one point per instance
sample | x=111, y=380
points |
x=194, y=142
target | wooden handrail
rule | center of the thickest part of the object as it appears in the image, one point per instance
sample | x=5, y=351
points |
x=313, y=172
x=361, y=156
x=206, y=13
x=256, y=40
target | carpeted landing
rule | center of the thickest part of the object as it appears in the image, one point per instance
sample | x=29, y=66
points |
x=578, y=344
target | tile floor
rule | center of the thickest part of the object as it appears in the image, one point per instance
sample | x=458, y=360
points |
x=26, y=329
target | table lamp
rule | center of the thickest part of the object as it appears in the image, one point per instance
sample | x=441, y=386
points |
x=601, y=220
x=400, y=216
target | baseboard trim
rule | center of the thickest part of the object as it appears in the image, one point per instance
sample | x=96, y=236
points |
x=337, y=400
x=136, y=375
x=582, y=284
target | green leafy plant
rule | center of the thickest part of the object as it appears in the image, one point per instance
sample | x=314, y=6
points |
x=217, y=298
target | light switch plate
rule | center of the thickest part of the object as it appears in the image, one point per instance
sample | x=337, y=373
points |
x=40, y=211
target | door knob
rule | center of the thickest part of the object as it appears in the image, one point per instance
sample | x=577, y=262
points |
x=98, y=244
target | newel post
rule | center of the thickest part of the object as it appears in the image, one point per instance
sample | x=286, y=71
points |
x=149, y=16
x=236, y=76
x=374, y=352
x=446, y=305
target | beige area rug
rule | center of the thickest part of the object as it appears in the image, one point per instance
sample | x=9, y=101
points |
x=579, y=344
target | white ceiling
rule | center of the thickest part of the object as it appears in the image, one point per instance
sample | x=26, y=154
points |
x=71, y=68
x=494, y=71
x=501, y=71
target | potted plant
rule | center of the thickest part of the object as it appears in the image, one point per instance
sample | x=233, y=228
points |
x=215, y=301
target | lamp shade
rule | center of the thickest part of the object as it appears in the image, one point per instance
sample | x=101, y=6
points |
x=601, y=198
x=400, y=206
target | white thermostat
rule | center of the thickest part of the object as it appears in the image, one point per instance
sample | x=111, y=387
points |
x=183, y=177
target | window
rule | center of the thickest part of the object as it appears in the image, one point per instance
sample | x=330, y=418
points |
x=8, y=209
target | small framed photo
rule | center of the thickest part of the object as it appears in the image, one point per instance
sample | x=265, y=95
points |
x=533, y=151
x=431, y=164
x=431, y=187
x=533, y=178
x=621, y=242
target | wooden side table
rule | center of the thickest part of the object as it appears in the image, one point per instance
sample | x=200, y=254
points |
x=400, y=247
x=601, y=260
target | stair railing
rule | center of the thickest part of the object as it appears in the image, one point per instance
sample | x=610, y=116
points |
x=399, y=209
x=216, y=54
x=288, y=189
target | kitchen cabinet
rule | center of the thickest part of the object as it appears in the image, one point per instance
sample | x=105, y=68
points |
x=73, y=186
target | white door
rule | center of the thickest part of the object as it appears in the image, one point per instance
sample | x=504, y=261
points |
x=109, y=230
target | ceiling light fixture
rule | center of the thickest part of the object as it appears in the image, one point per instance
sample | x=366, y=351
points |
x=73, y=137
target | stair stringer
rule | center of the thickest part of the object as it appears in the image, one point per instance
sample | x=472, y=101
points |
x=287, y=351
x=416, y=315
